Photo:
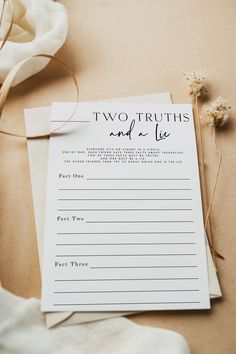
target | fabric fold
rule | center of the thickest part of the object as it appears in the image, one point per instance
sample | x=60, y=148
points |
x=23, y=331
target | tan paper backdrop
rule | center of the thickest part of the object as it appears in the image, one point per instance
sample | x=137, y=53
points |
x=129, y=47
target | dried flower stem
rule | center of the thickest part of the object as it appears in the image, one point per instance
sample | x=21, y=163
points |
x=220, y=158
x=216, y=115
x=206, y=209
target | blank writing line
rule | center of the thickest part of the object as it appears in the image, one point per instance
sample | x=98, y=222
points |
x=138, y=179
x=125, y=244
x=125, y=291
x=125, y=189
x=75, y=199
x=70, y=121
x=142, y=267
x=124, y=209
x=122, y=279
x=127, y=233
x=131, y=303
x=137, y=221
x=126, y=255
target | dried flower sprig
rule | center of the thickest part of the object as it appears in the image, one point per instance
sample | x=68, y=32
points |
x=197, y=83
x=198, y=88
x=217, y=113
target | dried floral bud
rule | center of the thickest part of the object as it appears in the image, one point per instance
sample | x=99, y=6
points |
x=197, y=83
x=217, y=113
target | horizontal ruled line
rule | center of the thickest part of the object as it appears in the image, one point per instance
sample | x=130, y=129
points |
x=124, y=189
x=70, y=121
x=131, y=303
x=125, y=244
x=112, y=199
x=126, y=291
x=138, y=179
x=123, y=279
x=137, y=221
x=128, y=233
x=141, y=267
x=187, y=209
x=127, y=255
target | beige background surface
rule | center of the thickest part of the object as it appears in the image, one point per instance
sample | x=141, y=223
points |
x=132, y=47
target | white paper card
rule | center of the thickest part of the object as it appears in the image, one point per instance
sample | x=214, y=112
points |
x=124, y=228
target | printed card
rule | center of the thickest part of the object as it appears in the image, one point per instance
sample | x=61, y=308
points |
x=124, y=227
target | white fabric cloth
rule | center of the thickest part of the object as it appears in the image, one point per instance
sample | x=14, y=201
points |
x=40, y=27
x=23, y=331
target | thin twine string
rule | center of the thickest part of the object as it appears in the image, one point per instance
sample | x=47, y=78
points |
x=4, y=91
x=3, y=7
x=5, y=88
x=5, y=38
